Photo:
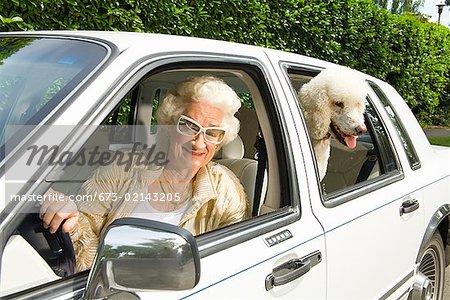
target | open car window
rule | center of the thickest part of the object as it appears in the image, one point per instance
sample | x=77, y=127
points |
x=371, y=158
x=352, y=171
x=254, y=157
x=133, y=122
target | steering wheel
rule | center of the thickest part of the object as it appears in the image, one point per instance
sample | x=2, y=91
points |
x=56, y=249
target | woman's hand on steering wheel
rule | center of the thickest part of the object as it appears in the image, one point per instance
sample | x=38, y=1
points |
x=57, y=209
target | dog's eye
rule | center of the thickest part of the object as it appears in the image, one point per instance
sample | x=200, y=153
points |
x=339, y=104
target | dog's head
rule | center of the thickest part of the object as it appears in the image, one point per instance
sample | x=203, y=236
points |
x=333, y=103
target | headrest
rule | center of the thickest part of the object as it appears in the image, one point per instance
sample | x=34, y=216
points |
x=234, y=149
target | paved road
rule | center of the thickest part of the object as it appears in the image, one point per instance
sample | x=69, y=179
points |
x=447, y=284
x=431, y=132
x=437, y=131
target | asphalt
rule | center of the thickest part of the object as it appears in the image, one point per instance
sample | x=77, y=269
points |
x=436, y=132
x=447, y=284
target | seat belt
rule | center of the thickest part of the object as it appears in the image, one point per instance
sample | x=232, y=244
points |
x=367, y=167
x=261, y=153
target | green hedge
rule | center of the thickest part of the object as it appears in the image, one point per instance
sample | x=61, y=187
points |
x=412, y=55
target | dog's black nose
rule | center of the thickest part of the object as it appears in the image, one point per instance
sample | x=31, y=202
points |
x=360, y=130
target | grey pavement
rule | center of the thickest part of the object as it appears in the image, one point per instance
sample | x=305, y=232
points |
x=447, y=284
x=437, y=131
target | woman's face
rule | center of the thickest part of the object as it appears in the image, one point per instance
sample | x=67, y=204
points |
x=197, y=149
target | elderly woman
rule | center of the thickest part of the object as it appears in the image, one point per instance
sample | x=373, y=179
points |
x=199, y=195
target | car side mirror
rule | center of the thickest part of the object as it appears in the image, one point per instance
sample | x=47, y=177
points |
x=140, y=255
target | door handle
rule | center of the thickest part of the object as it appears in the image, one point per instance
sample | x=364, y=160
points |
x=409, y=206
x=292, y=270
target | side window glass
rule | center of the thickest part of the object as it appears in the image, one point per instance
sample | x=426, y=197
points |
x=371, y=158
x=381, y=139
x=119, y=123
x=159, y=93
x=404, y=137
x=122, y=115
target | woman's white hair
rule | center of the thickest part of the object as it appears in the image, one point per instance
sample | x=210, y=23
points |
x=207, y=89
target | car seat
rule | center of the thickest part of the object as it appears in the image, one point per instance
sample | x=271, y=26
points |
x=231, y=156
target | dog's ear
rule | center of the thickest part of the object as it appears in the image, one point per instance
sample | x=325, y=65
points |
x=314, y=101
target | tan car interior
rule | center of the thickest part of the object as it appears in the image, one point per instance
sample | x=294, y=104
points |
x=240, y=156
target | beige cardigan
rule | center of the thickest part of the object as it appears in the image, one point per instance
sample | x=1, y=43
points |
x=218, y=200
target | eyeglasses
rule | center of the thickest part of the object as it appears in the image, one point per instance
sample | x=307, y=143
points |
x=189, y=127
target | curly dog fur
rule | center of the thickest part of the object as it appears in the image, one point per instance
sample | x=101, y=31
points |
x=333, y=105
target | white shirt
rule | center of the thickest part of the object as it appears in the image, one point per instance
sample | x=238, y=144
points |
x=144, y=210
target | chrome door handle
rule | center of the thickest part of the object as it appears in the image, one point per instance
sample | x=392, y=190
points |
x=287, y=272
x=292, y=270
x=409, y=206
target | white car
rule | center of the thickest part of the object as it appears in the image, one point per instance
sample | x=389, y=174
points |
x=375, y=228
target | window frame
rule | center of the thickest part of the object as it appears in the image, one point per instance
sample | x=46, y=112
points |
x=223, y=238
x=352, y=192
x=397, y=123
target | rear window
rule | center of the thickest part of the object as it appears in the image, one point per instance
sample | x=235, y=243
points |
x=38, y=73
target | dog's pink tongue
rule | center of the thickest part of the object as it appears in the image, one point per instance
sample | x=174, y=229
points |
x=350, y=141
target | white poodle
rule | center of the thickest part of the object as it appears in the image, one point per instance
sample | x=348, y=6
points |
x=333, y=104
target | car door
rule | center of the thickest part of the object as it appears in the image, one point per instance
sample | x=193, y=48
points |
x=246, y=260
x=363, y=203
x=383, y=234
x=277, y=253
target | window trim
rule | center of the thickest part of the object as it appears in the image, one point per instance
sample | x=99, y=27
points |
x=221, y=239
x=306, y=70
x=71, y=287
x=216, y=241
x=357, y=190
x=256, y=226
x=399, y=128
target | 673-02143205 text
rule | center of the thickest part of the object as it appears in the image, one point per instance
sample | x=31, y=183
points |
x=104, y=197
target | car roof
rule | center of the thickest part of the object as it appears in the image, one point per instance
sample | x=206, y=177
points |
x=148, y=43
x=125, y=40
x=155, y=42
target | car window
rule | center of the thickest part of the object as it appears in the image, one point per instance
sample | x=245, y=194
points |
x=253, y=157
x=38, y=73
x=408, y=146
x=371, y=160
x=242, y=156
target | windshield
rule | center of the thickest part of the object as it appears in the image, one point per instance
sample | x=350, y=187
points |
x=36, y=74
